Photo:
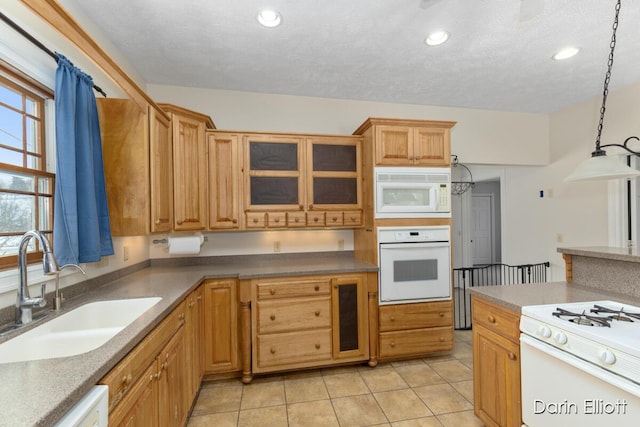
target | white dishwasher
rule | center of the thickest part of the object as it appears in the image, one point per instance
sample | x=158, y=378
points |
x=91, y=411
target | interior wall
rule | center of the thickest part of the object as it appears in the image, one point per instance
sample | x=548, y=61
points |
x=493, y=187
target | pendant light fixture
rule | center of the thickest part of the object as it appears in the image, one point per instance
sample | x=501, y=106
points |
x=599, y=166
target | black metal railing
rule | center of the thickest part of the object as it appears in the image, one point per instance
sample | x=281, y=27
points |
x=490, y=275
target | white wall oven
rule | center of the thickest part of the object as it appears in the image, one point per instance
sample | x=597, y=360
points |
x=412, y=192
x=415, y=264
x=580, y=364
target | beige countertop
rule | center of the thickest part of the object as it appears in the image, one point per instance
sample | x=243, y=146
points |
x=40, y=392
x=604, y=252
x=514, y=297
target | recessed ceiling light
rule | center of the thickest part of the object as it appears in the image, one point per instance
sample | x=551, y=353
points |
x=566, y=53
x=436, y=38
x=269, y=18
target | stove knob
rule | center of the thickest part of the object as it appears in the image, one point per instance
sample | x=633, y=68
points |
x=606, y=356
x=544, y=331
x=560, y=338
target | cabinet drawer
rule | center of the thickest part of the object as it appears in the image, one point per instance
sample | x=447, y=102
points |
x=293, y=315
x=296, y=219
x=276, y=219
x=415, y=316
x=122, y=377
x=315, y=219
x=496, y=319
x=294, y=347
x=256, y=219
x=298, y=288
x=353, y=218
x=334, y=218
x=415, y=341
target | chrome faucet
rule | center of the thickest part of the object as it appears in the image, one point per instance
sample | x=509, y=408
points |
x=24, y=302
x=58, y=298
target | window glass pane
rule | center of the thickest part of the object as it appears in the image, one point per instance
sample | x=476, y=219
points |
x=32, y=136
x=31, y=107
x=10, y=128
x=11, y=97
x=9, y=245
x=44, y=207
x=17, y=212
x=16, y=181
x=10, y=157
x=33, y=162
x=44, y=186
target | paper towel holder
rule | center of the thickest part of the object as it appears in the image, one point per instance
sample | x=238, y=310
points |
x=165, y=241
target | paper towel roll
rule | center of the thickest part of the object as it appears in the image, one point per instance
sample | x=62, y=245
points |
x=185, y=245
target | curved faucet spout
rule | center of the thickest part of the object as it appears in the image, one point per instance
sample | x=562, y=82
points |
x=24, y=302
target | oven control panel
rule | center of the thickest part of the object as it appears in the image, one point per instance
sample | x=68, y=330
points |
x=414, y=234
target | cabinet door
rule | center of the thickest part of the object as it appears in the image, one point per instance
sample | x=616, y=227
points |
x=275, y=179
x=394, y=145
x=161, y=165
x=496, y=379
x=224, y=180
x=140, y=407
x=190, y=172
x=350, y=318
x=172, y=388
x=194, y=332
x=221, y=325
x=431, y=147
x=335, y=178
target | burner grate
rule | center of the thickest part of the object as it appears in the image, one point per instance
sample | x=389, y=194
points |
x=620, y=315
x=582, y=318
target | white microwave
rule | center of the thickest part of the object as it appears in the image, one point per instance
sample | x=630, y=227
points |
x=412, y=192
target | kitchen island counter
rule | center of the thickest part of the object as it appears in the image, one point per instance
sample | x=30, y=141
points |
x=40, y=392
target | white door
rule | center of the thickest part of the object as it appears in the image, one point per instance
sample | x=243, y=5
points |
x=482, y=208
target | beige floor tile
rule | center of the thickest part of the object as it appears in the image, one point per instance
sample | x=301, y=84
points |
x=260, y=395
x=452, y=370
x=303, y=374
x=401, y=405
x=407, y=362
x=468, y=362
x=274, y=416
x=305, y=389
x=417, y=375
x=225, y=419
x=420, y=422
x=465, y=388
x=383, y=380
x=438, y=358
x=231, y=382
x=458, y=419
x=349, y=384
x=442, y=399
x=463, y=336
x=462, y=350
x=317, y=414
x=218, y=399
x=338, y=370
x=360, y=410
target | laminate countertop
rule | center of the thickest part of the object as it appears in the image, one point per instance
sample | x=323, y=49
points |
x=514, y=297
x=40, y=392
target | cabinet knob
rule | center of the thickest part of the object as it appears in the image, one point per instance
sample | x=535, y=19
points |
x=126, y=380
x=317, y=313
x=334, y=219
x=272, y=291
x=491, y=319
x=441, y=339
x=392, y=318
x=393, y=344
x=273, y=350
x=179, y=222
x=255, y=220
x=315, y=219
x=235, y=221
x=316, y=288
x=301, y=207
x=310, y=207
x=512, y=356
x=353, y=218
x=296, y=220
x=157, y=222
x=276, y=220
x=158, y=375
x=272, y=317
x=317, y=346
x=441, y=314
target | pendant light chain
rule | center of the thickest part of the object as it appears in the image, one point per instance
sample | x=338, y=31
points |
x=607, y=77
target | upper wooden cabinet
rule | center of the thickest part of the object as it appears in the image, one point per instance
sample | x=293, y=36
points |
x=189, y=167
x=224, y=180
x=397, y=142
x=138, y=168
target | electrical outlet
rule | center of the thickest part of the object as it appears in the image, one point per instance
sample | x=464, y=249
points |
x=559, y=238
x=125, y=253
x=341, y=245
x=276, y=246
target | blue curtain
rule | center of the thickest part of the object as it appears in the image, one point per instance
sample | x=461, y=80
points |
x=81, y=230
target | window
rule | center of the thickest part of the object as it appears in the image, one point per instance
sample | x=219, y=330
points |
x=26, y=188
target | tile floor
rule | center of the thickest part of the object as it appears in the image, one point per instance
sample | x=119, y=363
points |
x=427, y=392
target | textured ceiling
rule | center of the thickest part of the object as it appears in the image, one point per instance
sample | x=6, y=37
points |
x=496, y=58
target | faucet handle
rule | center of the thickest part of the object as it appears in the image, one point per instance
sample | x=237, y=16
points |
x=42, y=301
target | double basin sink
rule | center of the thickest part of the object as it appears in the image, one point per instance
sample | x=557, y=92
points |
x=79, y=331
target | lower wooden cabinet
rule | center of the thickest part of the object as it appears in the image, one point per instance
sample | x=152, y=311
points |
x=496, y=365
x=220, y=326
x=415, y=329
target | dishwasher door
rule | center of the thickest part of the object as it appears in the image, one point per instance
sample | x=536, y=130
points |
x=91, y=411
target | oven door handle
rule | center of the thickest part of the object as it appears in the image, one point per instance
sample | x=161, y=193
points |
x=416, y=245
x=576, y=362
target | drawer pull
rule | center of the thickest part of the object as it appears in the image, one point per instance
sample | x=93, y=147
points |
x=353, y=218
x=491, y=319
x=273, y=317
x=441, y=339
x=512, y=356
x=441, y=314
x=255, y=220
x=317, y=346
x=317, y=313
x=310, y=207
x=126, y=380
x=316, y=288
x=392, y=318
x=235, y=221
x=272, y=291
x=296, y=220
x=334, y=219
x=273, y=350
x=157, y=222
x=179, y=222
x=315, y=219
x=393, y=344
x=277, y=220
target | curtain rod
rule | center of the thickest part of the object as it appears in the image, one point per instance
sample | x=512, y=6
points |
x=37, y=42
